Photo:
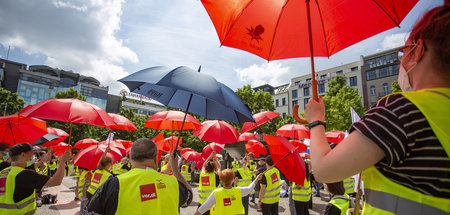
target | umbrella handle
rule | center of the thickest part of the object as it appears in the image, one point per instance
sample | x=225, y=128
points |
x=297, y=117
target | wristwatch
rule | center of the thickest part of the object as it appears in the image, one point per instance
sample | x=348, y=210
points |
x=316, y=123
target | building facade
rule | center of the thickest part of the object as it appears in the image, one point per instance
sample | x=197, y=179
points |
x=281, y=100
x=378, y=72
x=142, y=105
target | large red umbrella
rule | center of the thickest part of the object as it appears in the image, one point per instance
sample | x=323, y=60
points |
x=256, y=148
x=208, y=149
x=18, y=129
x=184, y=150
x=286, y=158
x=295, y=131
x=88, y=158
x=58, y=132
x=122, y=123
x=299, y=145
x=169, y=143
x=114, y=144
x=70, y=111
x=217, y=131
x=171, y=120
x=84, y=143
x=60, y=148
x=126, y=143
x=260, y=118
x=335, y=136
x=285, y=29
x=192, y=156
x=246, y=136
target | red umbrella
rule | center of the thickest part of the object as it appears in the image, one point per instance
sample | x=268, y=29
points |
x=88, y=158
x=299, y=145
x=335, y=136
x=199, y=164
x=84, y=143
x=304, y=155
x=58, y=132
x=208, y=149
x=114, y=144
x=60, y=148
x=122, y=123
x=260, y=118
x=256, y=148
x=126, y=143
x=217, y=131
x=285, y=29
x=246, y=136
x=69, y=110
x=171, y=120
x=192, y=156
x=169, y=143
x=286, y=158
x=18, y=129
x=158, y=137
x=186, y=150
x=294, y=131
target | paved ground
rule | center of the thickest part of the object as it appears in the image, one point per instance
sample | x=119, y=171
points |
x=66, y=205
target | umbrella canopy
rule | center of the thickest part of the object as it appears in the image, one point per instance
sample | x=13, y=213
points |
x=335, y=136
x=88, y=158
x=260, y=118
x=171, y=120
x=217, y=131
x=192, y=156
x=60, y=148
x=19, y=129
x=84, y=143
x=299, y=145
x=304, y=155
x=62, y=135
x=186, y=150
x=169, y=143
x=199, y=164
x=286, y=158
x=183, y=87
x=208, y=149
x=256, y=148
x=246, y=136
x=126, y=143
x=114, y=144
x=294, y=131
x=122, y=123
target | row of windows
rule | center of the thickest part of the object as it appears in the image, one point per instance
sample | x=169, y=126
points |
x=305, y=101
x=321, y=88
x=382, y=72
x=92, y=92
x=283, y=102
x=386, y=90
x=382, y=60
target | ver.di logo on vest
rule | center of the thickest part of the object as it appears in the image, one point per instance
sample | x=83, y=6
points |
x=148, y=192
x=97, y=178
x=274, y=178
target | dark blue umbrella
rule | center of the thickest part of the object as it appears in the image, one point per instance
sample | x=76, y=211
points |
x=189, y=90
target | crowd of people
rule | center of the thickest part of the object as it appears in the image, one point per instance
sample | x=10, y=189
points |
x=401, y=145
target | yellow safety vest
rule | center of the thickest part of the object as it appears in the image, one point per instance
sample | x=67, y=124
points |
x=164, y=168
x=81, y=182
x=7, y=186
x=272, y=193
x=206, y=184
x=117, y=169
x=44, y=169
x=162, y=164
x=342, y=202
x=349, y=185
x=252, y=167
x=235, y=165
x=301, y=193
x=146, y=191
x=53, y=165
x=386, y=197
x=77, y=172
x=98, y=178
x=185, y=172
x=228, y=202
x=246, y=177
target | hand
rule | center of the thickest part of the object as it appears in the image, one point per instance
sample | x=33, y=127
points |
x=107, y=150
x=66, y=156
x=315, y=110
x=46, y=158
x=259, y=177
x=173, y=160
x=259, y=205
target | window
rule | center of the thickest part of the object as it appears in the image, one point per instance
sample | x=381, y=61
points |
x=297, y=83
x=383, y=72
x=395, y=70
x=306, y=91
x=305, y=101
x=385, y=88
x=353, y=81
x=284, y=115
x=354, y=69
x=323, y=76
x=277, y=103
x=321, y=88
x=371, y=74
x=308, y=80
x=295, y=102
x=283, y=101
x=373, y=90
x=294, y=94
x=339, y=72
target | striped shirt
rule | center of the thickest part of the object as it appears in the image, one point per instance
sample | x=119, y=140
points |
x=414, y=156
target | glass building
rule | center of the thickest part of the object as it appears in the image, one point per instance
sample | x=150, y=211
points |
x=39, y=83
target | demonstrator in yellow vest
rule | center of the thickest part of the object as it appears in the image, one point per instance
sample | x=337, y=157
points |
x=403, y=142
x=142, y=190
x=227, y=200
x=302, y=194
x=4, y=156
x=209, y=179
x=186, y=170
x=243, y=177
x=18, y=185
x=100, y=175
x=269, y=194
x=339, y=202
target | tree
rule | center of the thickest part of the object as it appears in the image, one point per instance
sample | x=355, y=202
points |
x=71, y=93
x=10, y=103
x=256, y=101
x=396, y=87
x=338, y=100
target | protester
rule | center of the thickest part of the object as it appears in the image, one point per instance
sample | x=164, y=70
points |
x=252, y=167
x=302, y=194
x=349, y=186
x=83, y=185
x=209, y=179
x=402, y=142
x=121, y=167
x=4, y=156
x=243, y=177
x=142, y=190
x=186, y=170
x=269, y=194
x=53, y=165
x=227, y=200
x=19, y=185
x=101, y=174
x=235, y=164
x=339, y=202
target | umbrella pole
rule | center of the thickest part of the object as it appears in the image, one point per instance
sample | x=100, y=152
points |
x=184, y=119
x=12, y=133
x=358, y=195
x=311, y=50
x=70, y=135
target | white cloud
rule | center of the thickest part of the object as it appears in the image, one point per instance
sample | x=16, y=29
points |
x=273, y=73
x=75, y=35
x=394, y=40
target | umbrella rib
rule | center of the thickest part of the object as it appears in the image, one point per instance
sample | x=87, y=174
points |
x=231, y=27
x=323, y=29
x=387, y=14
x=275, y=30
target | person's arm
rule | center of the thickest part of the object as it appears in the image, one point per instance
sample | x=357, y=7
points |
x=262, y=191
x=213, y=154
x=59, y=174
x=354, y=154
x=246, y=190
x=173, y=161
x=211, y=201
x=217, y=164
x=105, y=198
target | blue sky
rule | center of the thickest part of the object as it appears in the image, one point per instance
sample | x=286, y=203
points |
x=108, y=39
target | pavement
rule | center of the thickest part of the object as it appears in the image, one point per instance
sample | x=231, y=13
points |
x=67, y=206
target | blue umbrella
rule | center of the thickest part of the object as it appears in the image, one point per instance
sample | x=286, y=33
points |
x=185, y=88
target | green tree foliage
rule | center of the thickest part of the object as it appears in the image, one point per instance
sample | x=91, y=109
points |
x=338, y=100
x=256, y=101
x=71, y=93
x=395, y=87
x=10, y=103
